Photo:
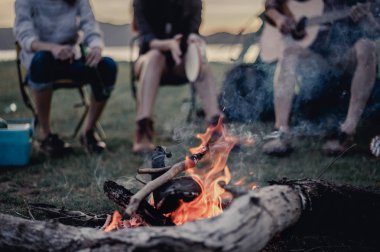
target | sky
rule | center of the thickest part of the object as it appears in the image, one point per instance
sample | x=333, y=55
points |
x=218, y=15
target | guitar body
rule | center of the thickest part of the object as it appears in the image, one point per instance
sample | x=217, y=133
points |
x=273, y=42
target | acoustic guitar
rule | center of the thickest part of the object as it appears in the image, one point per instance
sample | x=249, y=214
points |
x=310, y=18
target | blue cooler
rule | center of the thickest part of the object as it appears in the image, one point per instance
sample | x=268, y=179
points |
x=16, y=142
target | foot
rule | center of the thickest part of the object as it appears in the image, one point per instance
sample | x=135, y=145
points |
x=91, y=142
x=214, y=120
x=53, y=146
x=279, y=144
x=337, y=143
x=144, y=136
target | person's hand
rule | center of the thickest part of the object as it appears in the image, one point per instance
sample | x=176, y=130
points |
x=62, y=52
x=359, y=11
x=174, y=48
x=286, y=25
x=194, y=38
x=93, y=56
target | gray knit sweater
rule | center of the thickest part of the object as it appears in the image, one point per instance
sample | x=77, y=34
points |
x=54, y=21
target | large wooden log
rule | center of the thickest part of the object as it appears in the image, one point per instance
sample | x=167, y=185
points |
x=247, y=225
x=250, y=222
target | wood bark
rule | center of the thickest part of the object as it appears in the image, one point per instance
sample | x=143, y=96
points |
x=247, y=225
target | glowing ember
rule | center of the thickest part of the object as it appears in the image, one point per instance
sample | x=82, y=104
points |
x=240, y=182
x=214, y=171
x=118, y=223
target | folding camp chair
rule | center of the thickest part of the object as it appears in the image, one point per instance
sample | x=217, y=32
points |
x=58, y=84
x=164, y=82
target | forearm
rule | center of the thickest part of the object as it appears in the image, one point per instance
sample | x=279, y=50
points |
x=274, y=15
x=38, y=45
x=160, y=44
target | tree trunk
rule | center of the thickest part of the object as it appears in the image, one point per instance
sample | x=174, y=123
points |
x=250, y=222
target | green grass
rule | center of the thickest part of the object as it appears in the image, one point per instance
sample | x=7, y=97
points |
x=76, y=182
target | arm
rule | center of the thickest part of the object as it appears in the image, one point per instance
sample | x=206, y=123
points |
x=172, y=45
x=27, y=36
x=92, y=33
x=273, y=12
x=195, y=17
x=144, y=29
x=23, y=29
x=147, y=38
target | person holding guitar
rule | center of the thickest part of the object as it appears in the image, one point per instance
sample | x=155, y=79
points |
x=169, y=38
x=339, y=50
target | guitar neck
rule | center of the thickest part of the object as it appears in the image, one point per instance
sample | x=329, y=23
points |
x=329, y=17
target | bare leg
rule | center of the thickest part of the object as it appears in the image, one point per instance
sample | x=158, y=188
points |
x=204, y=86
x=206, y=89
x=361, y=88
x=43, y=106
x=284, y=84
x=149, y=68
x=89, y=139
x=94, y=112
x=361, y=85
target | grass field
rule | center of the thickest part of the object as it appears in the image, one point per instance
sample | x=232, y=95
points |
x=76, y=182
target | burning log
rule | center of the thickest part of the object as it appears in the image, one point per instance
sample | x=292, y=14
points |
x=168, y=197
x=122, y=197
x=250, y=222
x=161, y=180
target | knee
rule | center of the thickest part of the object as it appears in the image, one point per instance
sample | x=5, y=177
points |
x=205, y=71
x=365, y=52
x=155, y=58
x=108, y=68
x=293, y=50
x=41, y=66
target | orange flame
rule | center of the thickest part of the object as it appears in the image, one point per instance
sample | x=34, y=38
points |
x=214, y=171
x=116, y=219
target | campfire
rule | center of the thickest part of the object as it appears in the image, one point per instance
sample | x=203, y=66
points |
x=198, y=194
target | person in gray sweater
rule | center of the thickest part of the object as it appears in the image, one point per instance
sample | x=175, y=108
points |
x=49, y=32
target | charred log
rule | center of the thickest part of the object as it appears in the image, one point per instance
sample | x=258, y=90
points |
x=168, y=197
x=69, y=217
x=121, y=196
x=337, y=209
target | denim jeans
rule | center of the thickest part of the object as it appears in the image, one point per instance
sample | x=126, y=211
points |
x=45, y=70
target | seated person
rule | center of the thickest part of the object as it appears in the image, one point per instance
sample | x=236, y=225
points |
x=338, y=55
x=48, y=32
x=165, y=28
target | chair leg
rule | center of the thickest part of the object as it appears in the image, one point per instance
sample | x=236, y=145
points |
x=84, y=102
x=81, y=121
x=99, y=129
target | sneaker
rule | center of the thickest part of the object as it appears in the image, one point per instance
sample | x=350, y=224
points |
x=91, y=142
x=53, y=146
x=144, y=136
x=337, y=143
x=279, y=144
